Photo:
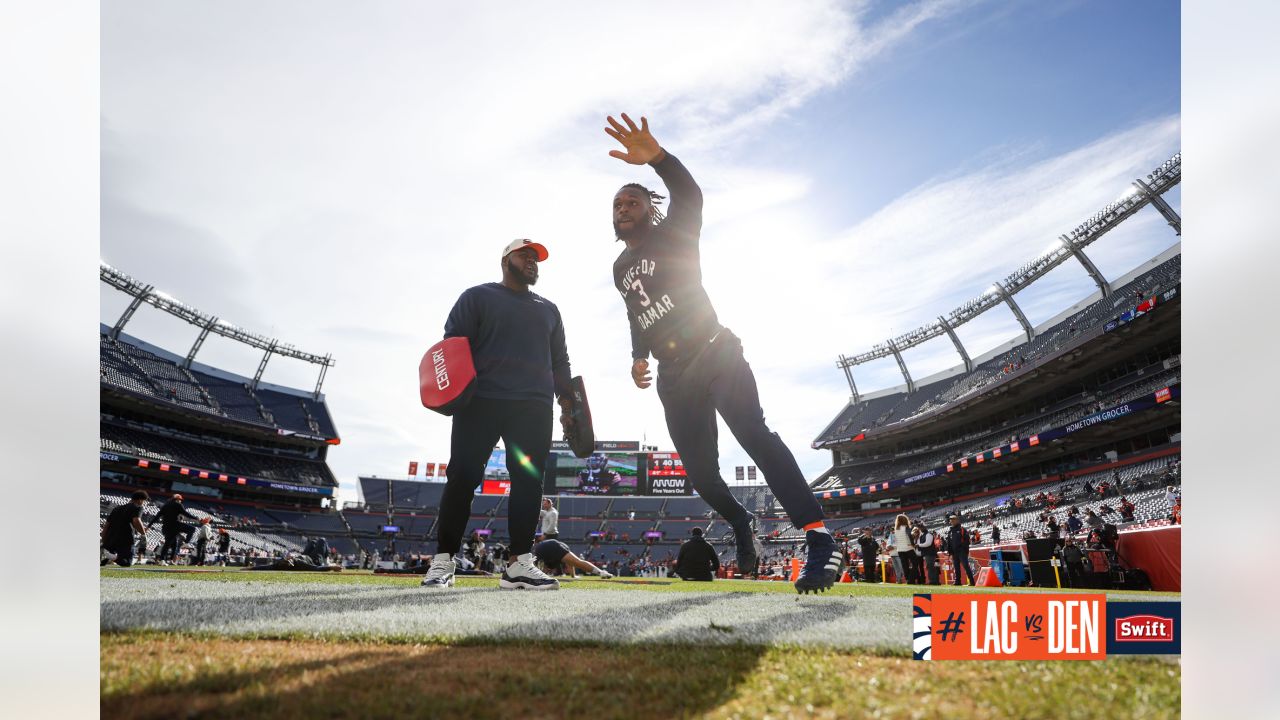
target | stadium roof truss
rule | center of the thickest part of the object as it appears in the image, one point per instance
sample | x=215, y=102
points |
x=142, y=293
x=1072, y=245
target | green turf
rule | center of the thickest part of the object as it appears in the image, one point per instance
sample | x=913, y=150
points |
x=163, y=675
x=362, y=577
x=288, y=674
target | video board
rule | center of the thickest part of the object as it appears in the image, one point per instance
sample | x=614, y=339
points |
x=602, y=473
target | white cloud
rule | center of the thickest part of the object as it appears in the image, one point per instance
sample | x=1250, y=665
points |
x=918, y=257
x=341, y=172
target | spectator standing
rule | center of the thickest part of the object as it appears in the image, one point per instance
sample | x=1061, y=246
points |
x=891, y=547
x=548, y=520
x=928, y=551
x=203, y=534
x=958, y=546
x=870, y=549
x=224, y=545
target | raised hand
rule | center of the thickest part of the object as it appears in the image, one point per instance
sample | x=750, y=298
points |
x=640, y=146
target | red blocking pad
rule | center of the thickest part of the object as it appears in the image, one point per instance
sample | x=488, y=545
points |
x=447, y=376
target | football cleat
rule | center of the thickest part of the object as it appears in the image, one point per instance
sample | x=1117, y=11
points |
x=822, y=564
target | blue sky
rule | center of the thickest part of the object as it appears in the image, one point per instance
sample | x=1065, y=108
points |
x=336, y=176
x=1016, y=75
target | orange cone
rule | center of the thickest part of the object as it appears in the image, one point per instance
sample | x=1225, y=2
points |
x=987, y=578
x=795, y=569
x=845, y=577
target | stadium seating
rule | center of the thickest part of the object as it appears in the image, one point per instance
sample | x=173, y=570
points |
x=691, y=507
x=204, y=454
x=582, y=506
x=643, y=507
x=907, y=464
x=305, y=522
x=351, y=531
x=127, y=366
x=897, y=408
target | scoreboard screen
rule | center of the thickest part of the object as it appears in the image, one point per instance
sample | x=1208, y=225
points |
x=666, y=475
x=665, y=465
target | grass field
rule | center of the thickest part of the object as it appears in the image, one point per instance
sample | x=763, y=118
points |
x=237, y=644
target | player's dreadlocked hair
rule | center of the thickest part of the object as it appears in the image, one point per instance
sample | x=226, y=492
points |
x=654, y=199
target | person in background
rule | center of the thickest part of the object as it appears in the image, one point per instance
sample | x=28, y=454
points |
x=906, y=547
x=548, y=520
x=117, y=532
x=1073, y=522
x=559, y=558
x=224, y=546
x=891, y=546
x=927, y=549
x=870, y=550
x=171, y=526
x=1092, y=520
x=958, y=546
x=697, y=560
x=203, y=534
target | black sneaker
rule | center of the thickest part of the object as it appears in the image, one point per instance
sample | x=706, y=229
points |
x=749, y=547
x=822, y=565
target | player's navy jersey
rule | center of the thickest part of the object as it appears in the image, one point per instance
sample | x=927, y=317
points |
x=517, y=342
x=661, y=279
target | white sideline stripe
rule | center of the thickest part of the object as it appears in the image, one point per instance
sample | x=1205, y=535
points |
x=612, y=616
x=620, y=617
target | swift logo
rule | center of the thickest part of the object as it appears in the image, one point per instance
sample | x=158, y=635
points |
x=442, y=373
x=1144, y=628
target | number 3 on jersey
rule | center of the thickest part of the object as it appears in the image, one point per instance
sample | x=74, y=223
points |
x=637, y=287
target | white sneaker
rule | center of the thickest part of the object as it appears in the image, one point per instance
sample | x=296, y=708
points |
x=606, y=575
x=524, y=575
x=440, y=575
